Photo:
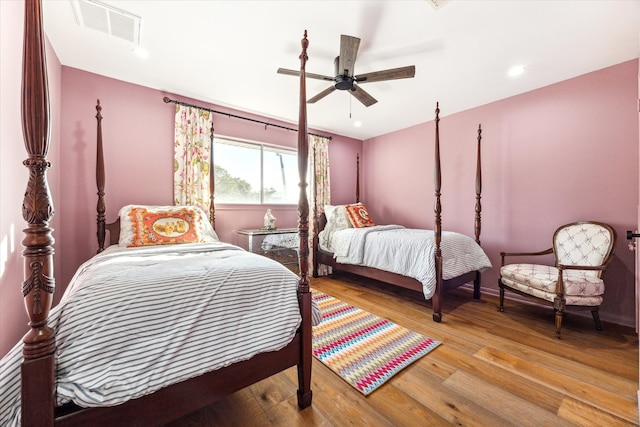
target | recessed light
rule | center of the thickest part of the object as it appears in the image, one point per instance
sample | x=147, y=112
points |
x=357, y=124
x=141, y=52
x=516, y=71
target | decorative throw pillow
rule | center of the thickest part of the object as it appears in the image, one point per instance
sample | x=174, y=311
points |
x=358, y=215
x=143, y=225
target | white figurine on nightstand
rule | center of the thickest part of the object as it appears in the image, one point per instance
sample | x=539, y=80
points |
x=269, y=220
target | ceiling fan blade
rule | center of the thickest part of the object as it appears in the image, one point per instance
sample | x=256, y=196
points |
x=348, y=53
x=391, y=74
x=321, y=95
x=310, y=75
x=362, y=96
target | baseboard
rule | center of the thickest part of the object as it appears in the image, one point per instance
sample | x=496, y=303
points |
x=605, y=317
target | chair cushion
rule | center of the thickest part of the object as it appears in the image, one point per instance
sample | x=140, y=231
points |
x=540, y=281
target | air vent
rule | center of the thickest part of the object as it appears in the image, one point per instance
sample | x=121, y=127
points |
x=107, y=19
x=437, y=4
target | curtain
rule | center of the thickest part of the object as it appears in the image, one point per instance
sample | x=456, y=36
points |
x=320, y=190
x=192, y=153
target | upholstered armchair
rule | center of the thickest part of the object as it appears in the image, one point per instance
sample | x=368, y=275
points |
x=582, y=252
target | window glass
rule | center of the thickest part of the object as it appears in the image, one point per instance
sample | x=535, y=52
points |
x=254, y=173
x=237, y=171
x=280, y=176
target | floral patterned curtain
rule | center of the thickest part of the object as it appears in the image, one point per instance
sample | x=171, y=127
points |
x=192, y=152
x=320, y=190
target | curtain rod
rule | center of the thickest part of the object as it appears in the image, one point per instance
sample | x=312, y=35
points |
x=167, y=100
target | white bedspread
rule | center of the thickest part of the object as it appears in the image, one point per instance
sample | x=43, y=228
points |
x=135, y=320
x=409, y=252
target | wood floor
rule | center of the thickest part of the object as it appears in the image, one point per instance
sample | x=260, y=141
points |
x=492, y=369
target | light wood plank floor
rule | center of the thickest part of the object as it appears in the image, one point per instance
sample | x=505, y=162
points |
x=491, y=369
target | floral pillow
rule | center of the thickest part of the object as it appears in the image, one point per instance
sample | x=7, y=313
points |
x=162, y=225
x=358, y=215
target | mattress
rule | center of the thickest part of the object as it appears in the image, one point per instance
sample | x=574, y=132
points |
x=407, y=251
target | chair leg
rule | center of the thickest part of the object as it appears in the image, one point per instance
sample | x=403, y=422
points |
x=559, y=316
x=596, y=318
x=559, y=304
x=501, y=308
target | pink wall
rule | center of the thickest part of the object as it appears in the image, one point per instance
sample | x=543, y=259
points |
x=563, y=153
x=14, y=176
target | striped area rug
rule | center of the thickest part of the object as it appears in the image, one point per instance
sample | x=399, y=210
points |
x=364, y=349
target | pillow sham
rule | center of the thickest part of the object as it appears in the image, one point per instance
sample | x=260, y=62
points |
x=329, y=210
x=336, y=217
x=143, y=225
x=358, y=215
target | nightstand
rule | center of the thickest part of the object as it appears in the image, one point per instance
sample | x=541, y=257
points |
x=280, y=245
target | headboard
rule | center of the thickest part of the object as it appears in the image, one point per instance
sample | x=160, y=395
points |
x=114, y=227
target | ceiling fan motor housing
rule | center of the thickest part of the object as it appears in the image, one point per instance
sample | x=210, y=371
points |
x=343, y=80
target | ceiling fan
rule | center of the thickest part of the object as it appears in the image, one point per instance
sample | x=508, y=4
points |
x=345, y=79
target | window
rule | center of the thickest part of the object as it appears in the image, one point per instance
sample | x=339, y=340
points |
x=254, y=173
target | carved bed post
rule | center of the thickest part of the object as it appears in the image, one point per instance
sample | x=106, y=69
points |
x=37, y=209
x=478, y=220
x=316, y=224
x=212, y=181
x=437, y=232
x=304, y=293
x=478, y=188
x=100, y=179
x=357, y=177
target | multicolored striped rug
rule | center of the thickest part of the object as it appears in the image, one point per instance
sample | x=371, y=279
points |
x=364, y=349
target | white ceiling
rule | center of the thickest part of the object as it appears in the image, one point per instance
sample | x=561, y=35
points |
x=227, y=52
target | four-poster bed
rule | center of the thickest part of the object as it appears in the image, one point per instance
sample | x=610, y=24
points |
x=36, y=380
x=419, y=269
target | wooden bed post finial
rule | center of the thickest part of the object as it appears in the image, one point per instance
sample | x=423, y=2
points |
x=303, y=55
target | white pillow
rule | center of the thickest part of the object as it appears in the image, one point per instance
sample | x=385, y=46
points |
x=328, y=211
x=205, y=231
x=337, y=218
